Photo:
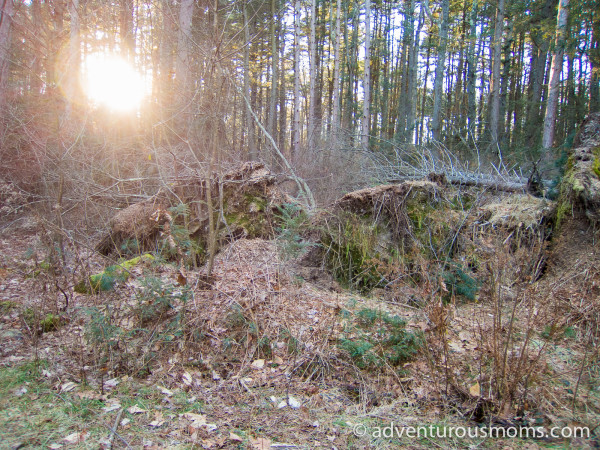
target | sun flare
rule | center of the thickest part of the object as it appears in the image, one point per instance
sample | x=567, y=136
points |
x=112, y=82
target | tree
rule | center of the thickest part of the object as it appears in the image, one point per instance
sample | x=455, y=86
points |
x=312, y=60
x=296, y=125
x=6, y=18
x=335, y=119
x=495, y=80
x=555, y=71
x=183, y=71
x=367, y=78
x=439, y=72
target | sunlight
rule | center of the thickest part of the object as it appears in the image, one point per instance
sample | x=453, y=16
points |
x=111, y=81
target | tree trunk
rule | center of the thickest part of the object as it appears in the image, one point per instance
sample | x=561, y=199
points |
x=6, y=17
x=74, y=57
x=472, y=70
x=183, y=66
x=249, y=123
x=367, y=78
x=296, y=130
x=335, y=120
x=127, y=34
x=271, y=125
x=594, y=55
x=436, y=123
x=495, y=80
x=312, y=60
x=554, y=83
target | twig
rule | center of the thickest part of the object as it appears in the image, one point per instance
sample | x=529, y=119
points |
x=113, y=430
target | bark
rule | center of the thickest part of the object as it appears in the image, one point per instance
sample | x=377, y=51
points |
x=537, y=73
x=313, y=73
x=167, y=49
x=436, y=124
x=412, y=81
x=6, y=18
x=271, y=125
x=35, y=83
x=472, y=69
x=72, y=78
x=594, y=56
x=252, y=153
x=296, y=130
x=555, y=71
x=335, y=120
x=183, y=64
x=367, y=78
x=127, y=33
x=495, y=80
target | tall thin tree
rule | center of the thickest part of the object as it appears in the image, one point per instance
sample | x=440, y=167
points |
x=367, y=78
x=555, y=71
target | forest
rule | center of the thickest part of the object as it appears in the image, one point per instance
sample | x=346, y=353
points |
x=304, y=224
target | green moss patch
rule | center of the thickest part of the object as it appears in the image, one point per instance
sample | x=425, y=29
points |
x=107, y=279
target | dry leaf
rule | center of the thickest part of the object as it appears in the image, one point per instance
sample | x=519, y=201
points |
x=165, y=391
x=135, y=410
x=112, y=406
x=111, y=383
x=187, y=378
x=294, y=402
x=235, y=437
x=91, y=395
x=158, y=421
x=475, y=390
x=258, y=364
x=75, y=438
x=68, y=386
x=260, y=443
x=197, y=420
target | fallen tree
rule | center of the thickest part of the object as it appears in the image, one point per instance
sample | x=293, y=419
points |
x=246, y=198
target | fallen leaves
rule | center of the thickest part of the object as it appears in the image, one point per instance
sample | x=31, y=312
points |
x=260, y=443
x=135, y=410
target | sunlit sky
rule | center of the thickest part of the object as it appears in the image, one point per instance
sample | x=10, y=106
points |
x=110, y=81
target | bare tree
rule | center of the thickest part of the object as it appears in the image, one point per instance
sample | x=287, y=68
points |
x=367, y=78
x=6, y=17
x=296, y=131
x=183, y=67
x=252, y=152
x=495, y=80
x=335, y=119
x=313, y=73
x=557, y=63
x=438, y=83
x=74, y=55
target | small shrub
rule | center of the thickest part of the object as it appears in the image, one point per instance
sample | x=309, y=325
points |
x=459, y=282
x=379, y=337
x=292, y=221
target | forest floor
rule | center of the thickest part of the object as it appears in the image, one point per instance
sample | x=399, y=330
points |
x=255, y=358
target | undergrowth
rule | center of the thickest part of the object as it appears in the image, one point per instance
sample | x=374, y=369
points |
x=374, y=339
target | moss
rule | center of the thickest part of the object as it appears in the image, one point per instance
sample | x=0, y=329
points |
x=51, y=322
x=6, y=306
x=596, y=163
x=353, y=251
x=107, y=279
x=563, y=210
